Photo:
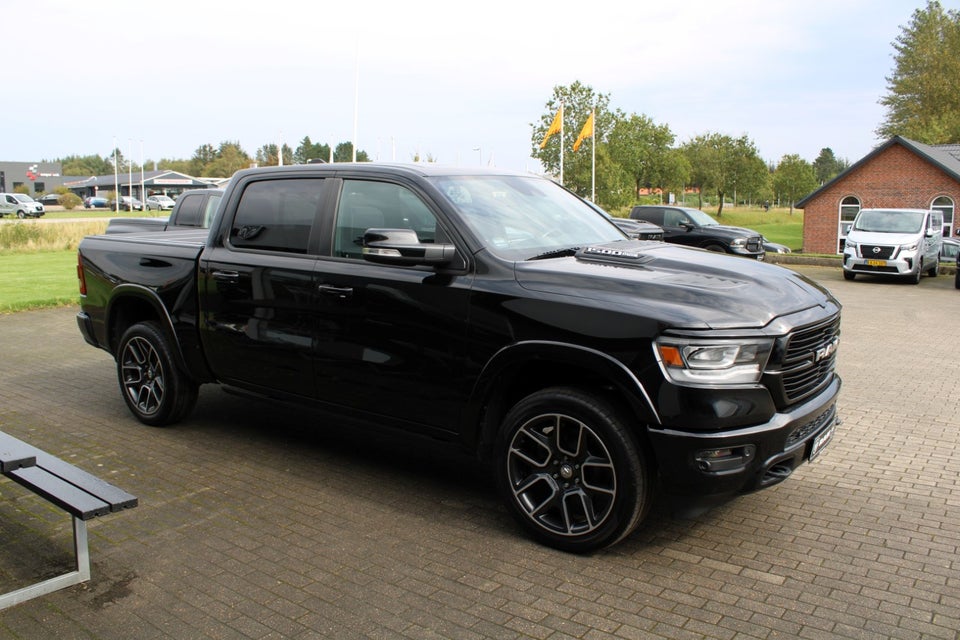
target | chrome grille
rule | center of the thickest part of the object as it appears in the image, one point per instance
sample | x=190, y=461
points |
x=754, y=244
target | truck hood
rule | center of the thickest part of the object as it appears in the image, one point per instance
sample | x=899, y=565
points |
x=730, y=232
x=677, y=286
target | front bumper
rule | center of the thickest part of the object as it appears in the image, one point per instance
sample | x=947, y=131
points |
x=903, y=263
x=727, y=463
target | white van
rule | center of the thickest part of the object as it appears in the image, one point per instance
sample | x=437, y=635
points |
x=20, y=205
x=899, y=242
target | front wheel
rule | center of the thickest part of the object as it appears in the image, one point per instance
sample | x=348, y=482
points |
x=155, y=390
x=849, y=275
x=570, y=470
x=21, y=215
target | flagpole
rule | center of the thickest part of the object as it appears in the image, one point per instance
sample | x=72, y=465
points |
x=561, y=143
x=593, y=159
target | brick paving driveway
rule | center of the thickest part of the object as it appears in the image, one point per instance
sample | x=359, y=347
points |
x=254, y=524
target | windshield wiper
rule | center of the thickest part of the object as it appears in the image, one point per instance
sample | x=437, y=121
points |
x=556, y=253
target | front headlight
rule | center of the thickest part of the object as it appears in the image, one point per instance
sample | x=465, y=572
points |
x=739, y=242
x=850, y=245
x=910, y=247
x=694, y=362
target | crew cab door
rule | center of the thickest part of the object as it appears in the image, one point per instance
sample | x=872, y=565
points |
x=257, y=290
x=391, y=341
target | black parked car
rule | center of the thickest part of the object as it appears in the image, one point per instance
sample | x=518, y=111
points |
x=637, y=229
x=694, y=228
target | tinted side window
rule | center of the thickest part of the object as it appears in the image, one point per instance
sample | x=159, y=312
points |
x=652, y=215
x=367, y=204
x=277, y=215
x=189, y=212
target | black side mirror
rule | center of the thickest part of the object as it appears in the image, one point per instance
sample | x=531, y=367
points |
x=403, y=247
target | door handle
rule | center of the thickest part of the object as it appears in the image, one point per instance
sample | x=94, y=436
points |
x=338, y=292
x=226, y=276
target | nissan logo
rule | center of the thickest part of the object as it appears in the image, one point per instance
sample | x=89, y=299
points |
x=876, y=249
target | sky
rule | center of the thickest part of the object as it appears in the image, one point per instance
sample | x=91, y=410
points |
x=461, y=83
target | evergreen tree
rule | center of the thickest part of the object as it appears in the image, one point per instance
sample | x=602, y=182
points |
x=923, y=93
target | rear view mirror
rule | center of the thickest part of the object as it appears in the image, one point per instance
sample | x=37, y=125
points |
x=403, y=247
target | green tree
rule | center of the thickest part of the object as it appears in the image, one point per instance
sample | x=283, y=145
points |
x=181, y=166
x=203, y=156
x=92, y=165
x=267, y=155
x=725, y=166
x=794, y=178
x=827, y=166
x=308, y=150
x=344, y=153
x=578, y=101
x=642, y=148
x=230, y=158
x=923, y=92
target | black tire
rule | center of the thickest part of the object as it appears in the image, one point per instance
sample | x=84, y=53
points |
x=956, y=277
x=719, y=248
x=914, y=278
x=154, y=388
x=21, y=215
x=570, y=470
x=934, y=270
x=849, y=275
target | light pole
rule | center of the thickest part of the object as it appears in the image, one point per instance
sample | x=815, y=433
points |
x=480, y=149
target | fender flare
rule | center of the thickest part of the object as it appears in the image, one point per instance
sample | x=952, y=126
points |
x=521, y=353
x=125, y=292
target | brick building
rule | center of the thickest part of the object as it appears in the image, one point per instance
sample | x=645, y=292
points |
x=900, y=174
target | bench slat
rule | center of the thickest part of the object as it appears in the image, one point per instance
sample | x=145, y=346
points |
x=117, y=498
x=60, y=492
x=15, y=453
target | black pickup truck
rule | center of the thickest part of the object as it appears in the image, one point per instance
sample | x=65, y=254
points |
x=492, y=309
x=194, y=210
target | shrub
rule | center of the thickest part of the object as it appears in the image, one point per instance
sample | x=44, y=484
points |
x=70, y=201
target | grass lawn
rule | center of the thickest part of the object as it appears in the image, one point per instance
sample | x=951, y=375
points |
x=35, y=280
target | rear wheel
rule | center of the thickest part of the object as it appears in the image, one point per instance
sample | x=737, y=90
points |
x=570, y=470
x=934, y=270
x=155, y=390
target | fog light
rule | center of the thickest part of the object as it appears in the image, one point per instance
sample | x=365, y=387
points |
x=726, y=459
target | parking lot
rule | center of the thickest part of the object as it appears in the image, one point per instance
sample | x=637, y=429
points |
x=262, y=522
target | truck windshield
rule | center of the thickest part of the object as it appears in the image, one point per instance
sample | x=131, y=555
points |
x=700, y=218
x=889, y=221
x=518, y=217
x=22, y=198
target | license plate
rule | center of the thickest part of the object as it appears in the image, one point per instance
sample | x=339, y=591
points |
x=877, y=263
x=822, y=440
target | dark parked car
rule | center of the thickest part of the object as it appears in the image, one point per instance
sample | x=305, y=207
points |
x=775, y=247
x=127, y=203
x=637, y=229
x=49, y=198
x=694, y=228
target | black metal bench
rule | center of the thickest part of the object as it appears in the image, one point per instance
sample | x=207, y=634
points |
x=81, y=494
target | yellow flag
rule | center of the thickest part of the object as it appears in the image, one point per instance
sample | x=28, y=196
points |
x=586, y=132
x=554, y=127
